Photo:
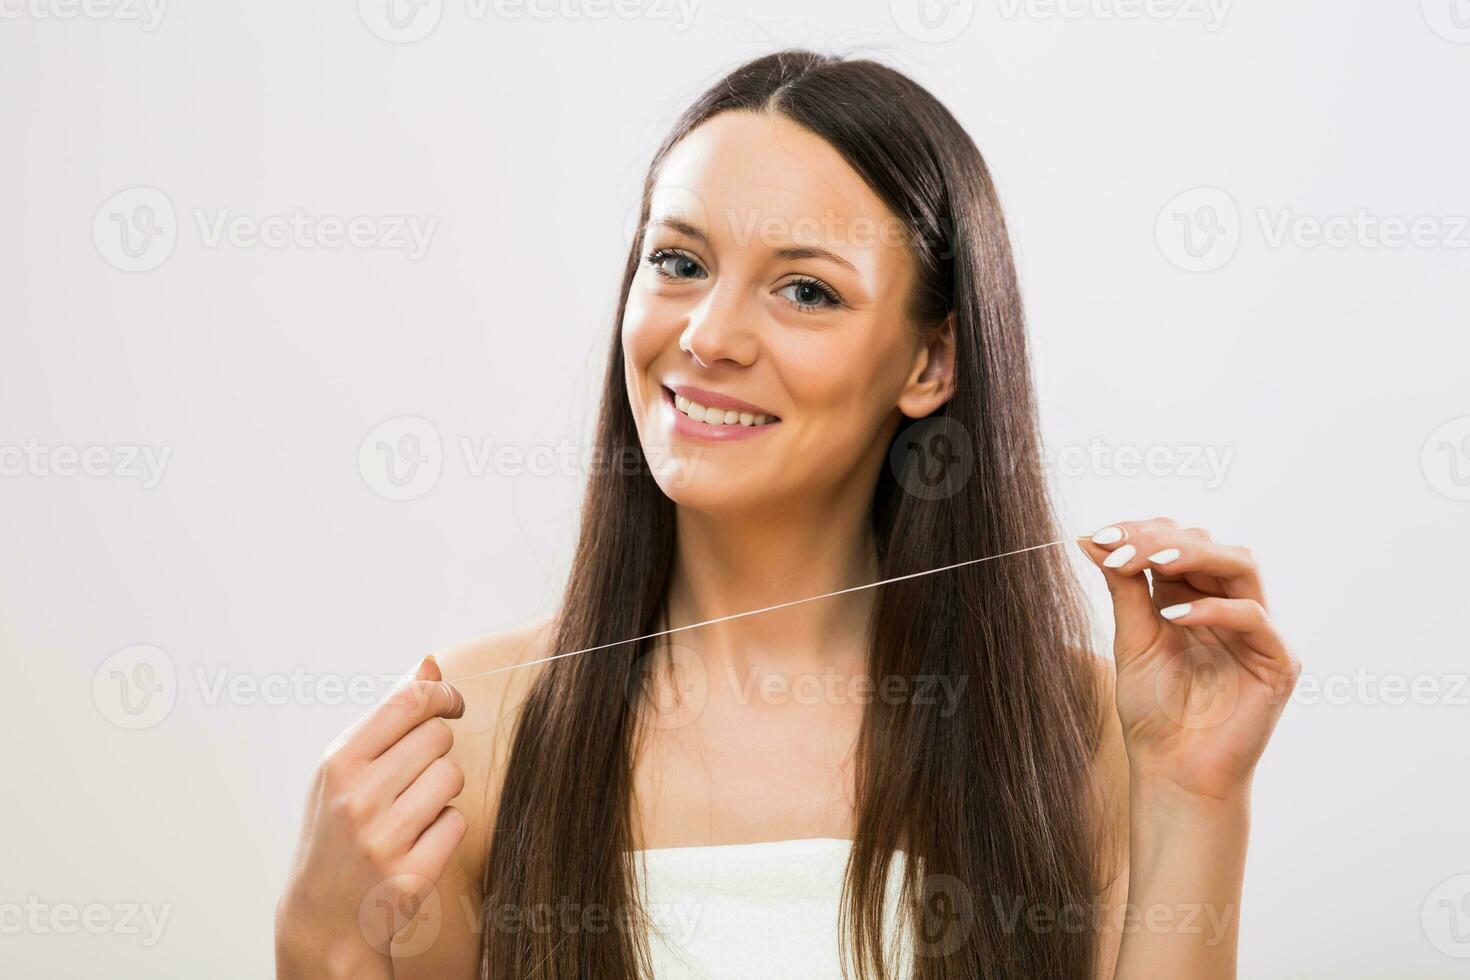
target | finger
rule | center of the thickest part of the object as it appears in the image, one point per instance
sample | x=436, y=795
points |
x=1244, y=617
x=396, y=769
x=1172, y=552
x=434, y=847
x=1234, y=568
x=1124, y=532
x=409, y=704
x=413, y=811
x=1135, y=620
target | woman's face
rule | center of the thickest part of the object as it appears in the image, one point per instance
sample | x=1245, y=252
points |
x=767, y=347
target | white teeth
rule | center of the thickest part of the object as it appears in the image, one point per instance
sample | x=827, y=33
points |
x=718, y=416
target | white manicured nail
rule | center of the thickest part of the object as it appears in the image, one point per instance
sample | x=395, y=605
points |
x=1120, y=557
x=1164, y=557
x=1174, y=612
x=1108, y=535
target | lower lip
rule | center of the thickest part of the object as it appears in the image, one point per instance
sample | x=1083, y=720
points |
x=685, y=426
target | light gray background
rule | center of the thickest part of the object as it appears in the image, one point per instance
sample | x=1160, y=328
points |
x=1331, y=379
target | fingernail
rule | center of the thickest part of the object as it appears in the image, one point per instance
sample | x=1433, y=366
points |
x=1174, y=612
x=1164, y=557
x=1108, y=535
x=1120, y=557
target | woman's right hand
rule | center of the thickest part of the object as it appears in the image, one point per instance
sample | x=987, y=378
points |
x=377, y=835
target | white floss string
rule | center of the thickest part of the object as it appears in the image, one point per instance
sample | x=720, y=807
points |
x=753, y=612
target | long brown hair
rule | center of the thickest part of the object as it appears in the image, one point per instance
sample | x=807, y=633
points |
x=992, y=798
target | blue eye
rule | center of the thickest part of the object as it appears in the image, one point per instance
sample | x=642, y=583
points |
x=811, y=294
x=671, y=264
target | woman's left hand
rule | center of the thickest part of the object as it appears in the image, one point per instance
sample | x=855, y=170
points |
x=1202, y=673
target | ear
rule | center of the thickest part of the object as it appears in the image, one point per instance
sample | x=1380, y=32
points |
x=931, y=381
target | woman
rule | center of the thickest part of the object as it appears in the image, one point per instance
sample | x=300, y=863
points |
x=971, y=792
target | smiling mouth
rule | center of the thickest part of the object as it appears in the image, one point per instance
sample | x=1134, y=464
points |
x=715, y=416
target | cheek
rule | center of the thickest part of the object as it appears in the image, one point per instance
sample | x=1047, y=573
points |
x=646, y=333
x=849, y=378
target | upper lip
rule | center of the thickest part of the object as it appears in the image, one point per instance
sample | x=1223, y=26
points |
x=713, y=399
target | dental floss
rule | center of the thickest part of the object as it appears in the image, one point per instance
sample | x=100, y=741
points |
x=753, y=612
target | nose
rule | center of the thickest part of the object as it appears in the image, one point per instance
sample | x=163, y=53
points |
x=719, y=329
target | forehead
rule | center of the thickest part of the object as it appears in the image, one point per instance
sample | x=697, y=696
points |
x=769, y=176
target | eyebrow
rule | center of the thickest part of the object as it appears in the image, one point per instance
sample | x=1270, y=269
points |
x=791, y=252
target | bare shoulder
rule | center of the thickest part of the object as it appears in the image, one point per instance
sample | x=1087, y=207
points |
x=495, y=673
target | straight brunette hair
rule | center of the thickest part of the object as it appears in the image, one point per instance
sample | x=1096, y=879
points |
x=995, y=799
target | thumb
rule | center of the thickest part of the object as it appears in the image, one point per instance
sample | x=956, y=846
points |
x=428, y=670
x=1135, y=621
